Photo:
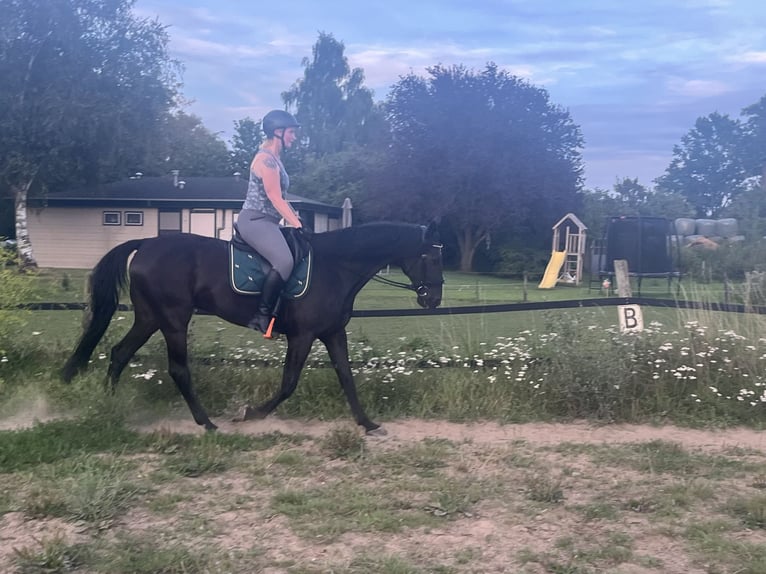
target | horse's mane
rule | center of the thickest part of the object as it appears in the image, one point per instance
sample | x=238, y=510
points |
x=370, y=240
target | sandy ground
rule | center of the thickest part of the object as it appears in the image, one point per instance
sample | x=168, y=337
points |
x=491, y=532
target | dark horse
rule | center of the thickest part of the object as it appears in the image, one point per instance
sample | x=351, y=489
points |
x=172, y=275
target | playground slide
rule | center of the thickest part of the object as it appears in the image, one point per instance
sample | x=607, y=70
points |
x=552, y=270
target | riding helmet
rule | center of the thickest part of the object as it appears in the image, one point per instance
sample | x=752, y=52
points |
x=277, y=119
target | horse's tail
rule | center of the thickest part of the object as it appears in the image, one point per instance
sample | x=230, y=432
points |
x=107, y=280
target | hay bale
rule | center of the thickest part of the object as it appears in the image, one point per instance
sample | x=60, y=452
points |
x=706, y=227
x=726, y=227
x=685, y=226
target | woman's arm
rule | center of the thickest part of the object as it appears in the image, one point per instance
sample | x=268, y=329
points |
x=267, y=169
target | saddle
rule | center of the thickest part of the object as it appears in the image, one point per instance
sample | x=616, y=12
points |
x=248, y=269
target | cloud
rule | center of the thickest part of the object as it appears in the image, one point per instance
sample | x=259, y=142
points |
x=196, y=47
x=751, y=57
x=384, y=65
x=697, y=88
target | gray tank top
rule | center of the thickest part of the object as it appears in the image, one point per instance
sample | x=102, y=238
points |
x=256, y=198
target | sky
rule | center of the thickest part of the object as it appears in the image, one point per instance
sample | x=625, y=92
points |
x=634, y=75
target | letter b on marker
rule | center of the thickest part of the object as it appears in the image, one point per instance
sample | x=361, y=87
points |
x=630, y=318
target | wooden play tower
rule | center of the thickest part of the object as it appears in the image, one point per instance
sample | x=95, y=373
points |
x=565, y=266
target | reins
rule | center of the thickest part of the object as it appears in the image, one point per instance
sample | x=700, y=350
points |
x=421, y=288
x=387, y=281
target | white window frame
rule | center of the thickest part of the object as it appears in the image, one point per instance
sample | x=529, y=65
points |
x=116, y=214
x=140, y=215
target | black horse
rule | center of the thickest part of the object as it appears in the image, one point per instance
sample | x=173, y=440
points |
x=172, y=275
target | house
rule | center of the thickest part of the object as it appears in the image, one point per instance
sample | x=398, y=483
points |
x=74, y=229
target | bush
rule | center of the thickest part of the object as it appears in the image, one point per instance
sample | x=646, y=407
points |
x=730, y=261
x=15, y=289
x=516, y=262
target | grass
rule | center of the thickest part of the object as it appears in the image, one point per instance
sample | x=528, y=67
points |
x=228, y=502
x=57, y=440
x=342, y=503
x=695, y=370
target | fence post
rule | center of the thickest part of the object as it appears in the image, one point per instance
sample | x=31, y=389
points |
x=622, y=278
x=526, y=278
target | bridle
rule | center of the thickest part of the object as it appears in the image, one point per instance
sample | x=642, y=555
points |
x=423, y=287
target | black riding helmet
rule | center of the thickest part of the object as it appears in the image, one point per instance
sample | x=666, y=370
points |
x=277, y=119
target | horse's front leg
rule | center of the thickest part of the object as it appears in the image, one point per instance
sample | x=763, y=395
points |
x=337, y=347
x=298, y=348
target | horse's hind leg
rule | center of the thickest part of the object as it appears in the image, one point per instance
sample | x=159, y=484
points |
x=178, y=366
x=143, y=328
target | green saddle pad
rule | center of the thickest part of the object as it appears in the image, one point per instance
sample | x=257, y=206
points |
x=247, y=270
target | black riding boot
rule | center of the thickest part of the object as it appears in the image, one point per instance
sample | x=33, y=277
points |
x=272, y=289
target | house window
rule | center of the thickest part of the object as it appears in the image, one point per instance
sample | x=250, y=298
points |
x=134, y=218
x=170, y=222
x=111, y=218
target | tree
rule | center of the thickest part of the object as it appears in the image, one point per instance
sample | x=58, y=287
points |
x=245, y=142
x=708, y=167
x=629, y=197
x=85, y=85
x=336, y=176
x=754, y=138
x=334, y=108
x=485, y=150
x=187, y=145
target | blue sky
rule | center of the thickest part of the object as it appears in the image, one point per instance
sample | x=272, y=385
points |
x=633, y=75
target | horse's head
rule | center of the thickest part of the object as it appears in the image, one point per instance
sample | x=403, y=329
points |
x=425, y=269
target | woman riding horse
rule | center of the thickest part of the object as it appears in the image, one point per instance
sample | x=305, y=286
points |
x=171, y=276
x=265, y=204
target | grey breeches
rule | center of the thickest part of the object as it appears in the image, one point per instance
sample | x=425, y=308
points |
x=262, y=233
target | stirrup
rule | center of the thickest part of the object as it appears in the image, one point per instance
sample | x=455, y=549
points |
x=268, y=334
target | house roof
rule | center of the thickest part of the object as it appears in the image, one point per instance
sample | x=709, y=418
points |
x=227, y=192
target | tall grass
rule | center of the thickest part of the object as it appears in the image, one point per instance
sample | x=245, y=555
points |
x=688, y=366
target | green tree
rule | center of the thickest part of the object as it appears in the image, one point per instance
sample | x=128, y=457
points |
x=334, y=108
x=347, y=173
x=629, y=197
x=749, y=209
x=245, y=142
x=187, y=145
x=85, y=85
x=485, y=150
x=754, y=138
x=597, y=206
x=708, y=167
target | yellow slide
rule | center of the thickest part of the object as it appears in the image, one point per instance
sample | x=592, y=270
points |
x=552, y=270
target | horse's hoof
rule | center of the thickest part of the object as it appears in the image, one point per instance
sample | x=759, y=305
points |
x=210, y=427
x=248, y=413
x=380, y=431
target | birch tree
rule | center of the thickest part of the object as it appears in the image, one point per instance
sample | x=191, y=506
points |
x=85, y=84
